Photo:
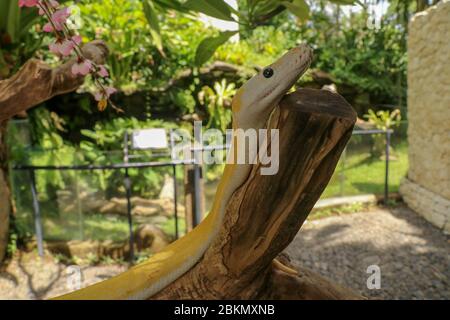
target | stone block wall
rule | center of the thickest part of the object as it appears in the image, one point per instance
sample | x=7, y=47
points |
x=427, y=186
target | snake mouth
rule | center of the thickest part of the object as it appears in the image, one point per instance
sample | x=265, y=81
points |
x=269, y=92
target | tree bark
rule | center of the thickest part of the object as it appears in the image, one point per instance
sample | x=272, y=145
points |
x=5, y=201
x=36, y=82
x=265, y=213
x=33, y=84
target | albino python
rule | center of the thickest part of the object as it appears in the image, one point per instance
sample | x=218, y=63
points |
x=252, y=106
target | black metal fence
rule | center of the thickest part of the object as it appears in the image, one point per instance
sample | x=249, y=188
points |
x=173, y=164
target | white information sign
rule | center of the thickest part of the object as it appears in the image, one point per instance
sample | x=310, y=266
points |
x=150, y=139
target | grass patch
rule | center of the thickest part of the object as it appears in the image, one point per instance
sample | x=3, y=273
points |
x=97, y=227
x=356, y=173
x=93, y=227
x=360, y=173
x=339, y=210
x=169, y=227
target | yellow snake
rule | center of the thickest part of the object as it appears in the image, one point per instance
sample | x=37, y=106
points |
x=252, y=106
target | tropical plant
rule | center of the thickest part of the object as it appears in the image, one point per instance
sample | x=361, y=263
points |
x=218, y=104
x=14, y=21
x=250, y=14
x=16, y=43
x=104, y=145
x=122, y=25
x=382, y=120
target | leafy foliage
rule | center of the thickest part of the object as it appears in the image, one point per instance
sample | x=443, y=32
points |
x=14, y=21
x=218, y=104
x=123, y=25
x=384, y=119
x=371, y=62
x=250, y=15
x=101, y=145
x=214, y=8
x=152, y=19
x=208, y=46
x=16, y=44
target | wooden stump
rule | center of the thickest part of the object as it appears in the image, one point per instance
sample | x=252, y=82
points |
x=266, y=212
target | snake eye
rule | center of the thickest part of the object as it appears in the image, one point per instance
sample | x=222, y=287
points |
x=268, y=72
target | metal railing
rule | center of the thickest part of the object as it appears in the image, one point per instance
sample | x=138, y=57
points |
x=172, y=163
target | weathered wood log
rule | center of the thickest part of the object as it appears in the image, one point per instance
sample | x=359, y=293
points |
x=5, y=201
x=266, y=212
x=37, y=82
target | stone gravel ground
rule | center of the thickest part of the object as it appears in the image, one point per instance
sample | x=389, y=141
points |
x=413, y=256
x=28, y=276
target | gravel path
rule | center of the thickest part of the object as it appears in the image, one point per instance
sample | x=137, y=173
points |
x=413, y=256
x=28, y=276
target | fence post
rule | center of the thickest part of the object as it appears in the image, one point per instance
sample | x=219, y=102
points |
x=37, y=214
x=127, y=183
x=193, y=189
x=386, y=177
x=198, y=174
x=79, y=208
x=175, y=199
x=198, y=191
x=342, y=172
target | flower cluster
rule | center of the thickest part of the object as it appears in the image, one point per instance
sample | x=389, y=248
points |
x=68, y=43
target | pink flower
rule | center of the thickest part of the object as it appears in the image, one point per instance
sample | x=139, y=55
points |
x=48, y=27
x=77, y=39
x=57, y=46
x=82, y=67
x=59, y=18
x=28, y=3
x=65, y=47
x=102, y=72
x=104, y=95
x=53, y=3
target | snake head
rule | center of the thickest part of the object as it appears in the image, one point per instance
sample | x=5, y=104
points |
x=257, y=98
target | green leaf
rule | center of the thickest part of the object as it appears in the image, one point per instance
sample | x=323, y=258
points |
x=263, y=7
x=346, y=2
x=298, y=7
x=208, y=46
x=213, y=8
x=171, y=5
x=152, y=18
x=28, y=17
x=13, y=20
x=4, y=8
x=90, y=134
